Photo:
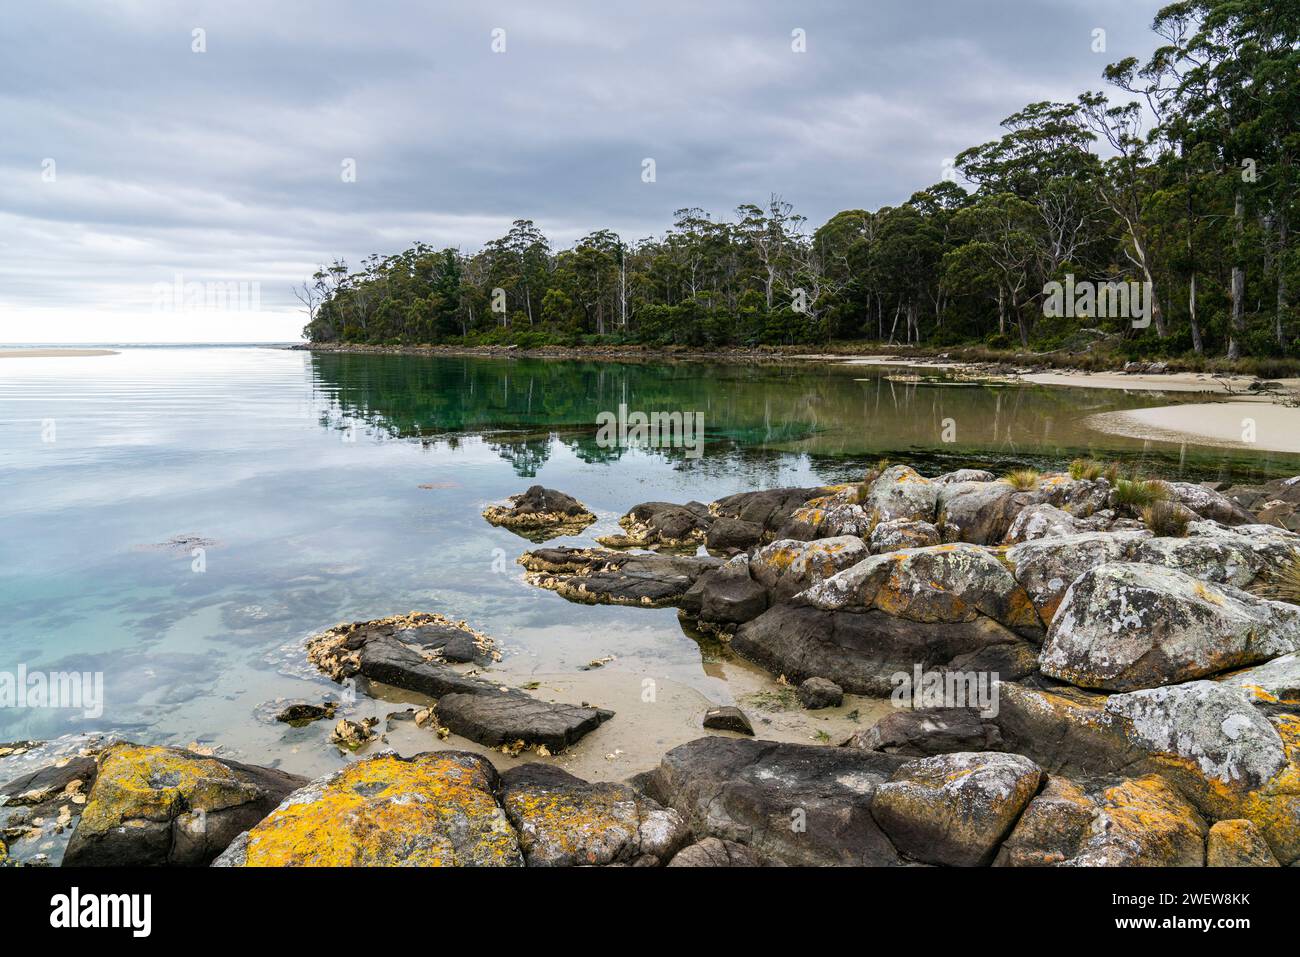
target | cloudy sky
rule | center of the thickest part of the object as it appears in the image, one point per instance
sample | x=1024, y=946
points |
x=130, y=162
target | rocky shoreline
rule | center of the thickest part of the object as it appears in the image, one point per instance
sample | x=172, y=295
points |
x=1088, y=670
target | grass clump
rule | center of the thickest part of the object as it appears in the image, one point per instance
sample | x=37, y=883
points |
x=1282, y=583
x=1138, y=494
x=1166, y=519
x=1022, y=479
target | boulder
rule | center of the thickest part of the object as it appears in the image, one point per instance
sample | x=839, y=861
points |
x=153, y=806
x=798, y=804
x=1126, y=626
x=842, y=512
x=563, y=821
x=1052, y=828
x=1047, y=567
x=862, y=652
x=981, y=512
x=955, y=809
x=1237, y=843
x=964, y=475
x=540, y=513
x=725, y=597
x=903, y=533
x=432, y=810
x=922, y=732
x=729, y=535
x=596, y=576
x=770, y=509
x=817, y=693
x=901, y=492
x=1208, y=503
x=662, y=525
x=728, y=718
x=942, y=583
x=1079, y=497
x=1273, y=686
x=1227, y=556
x=787, y=567
x=712, y=852
x=1040, y=521
x=516, y=719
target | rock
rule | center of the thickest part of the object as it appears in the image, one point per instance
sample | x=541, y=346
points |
x=301, y=714
x=599, y=576
x=787, y=567
x=1079, y=497
x=955, y=809
x=374, y=650
x=434, y=809
x=563, y=821
x=902, y=533
x=863, y=651
x=541, y=513
x=964, y=475
x=817, y=693
x=1125, y=626
x=1237, y=843
x=662, y=525
x=1040, y=521
x=1137, y=823
x=943, y=583
x=728, y=535
x=510, y=718
x=152, y=806
x=1227, y=556
x=982, y=512
x=901, y=493
x=769, y=509
x=836, y=514
x=928, y=731
x=797, y=804
x=354, y=735
x=728, y=718
x=1273, y=686
x=1207, y=503
x=712, y=852
x=725, y=597
x=49, y=785
x=1047, y=567
x=336, y=651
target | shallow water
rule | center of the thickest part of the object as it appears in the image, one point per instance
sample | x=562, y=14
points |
x=300, y=477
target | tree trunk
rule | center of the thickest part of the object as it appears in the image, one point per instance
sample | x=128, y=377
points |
x=1238, y=322
x=1197, y=344
x=1282, y=292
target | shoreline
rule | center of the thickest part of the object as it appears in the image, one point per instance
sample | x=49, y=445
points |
x=54, y=353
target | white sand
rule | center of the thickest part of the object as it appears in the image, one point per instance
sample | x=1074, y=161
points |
x=1167, y=382
x=1224, y=424
x=53, y=353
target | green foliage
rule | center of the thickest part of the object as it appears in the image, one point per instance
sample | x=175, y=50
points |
x=1137, y=494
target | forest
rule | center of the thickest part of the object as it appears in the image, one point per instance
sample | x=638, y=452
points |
x=1181, y=176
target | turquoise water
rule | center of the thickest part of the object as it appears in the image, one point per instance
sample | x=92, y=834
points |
x=300, y=478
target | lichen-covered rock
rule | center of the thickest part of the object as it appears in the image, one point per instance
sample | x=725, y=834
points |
x=434, y=809
x=1237, y=843
x=838, y=513
x=1047, y=567
x=1079, y=497
x=1208, y=503
x=540, y=513
x=942, y=583
x=921, y=732
x=964, y=475
x=955, y=809
x=662, y=525
x=981, y=512
x=1274, y=685
x=563, y=821
x=786, y=567
x=817, y=693
x=153, y=806
x=597, y=576
x=1040, y=521
x=1141, y=822
x=1126, y=626
x=1227, y=556
x=900, y=492
x=797, y=804
x=903, y=533
x=712, y=852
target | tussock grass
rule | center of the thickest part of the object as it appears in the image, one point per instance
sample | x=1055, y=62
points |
x=1166, y=519
x=1138, y=494
x=1281, y=583
x=1022, y=479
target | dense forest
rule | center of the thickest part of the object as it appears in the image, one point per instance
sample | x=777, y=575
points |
x=1184, y=176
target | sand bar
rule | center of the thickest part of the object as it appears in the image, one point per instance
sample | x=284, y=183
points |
x=1275, y=428
x=53, y=353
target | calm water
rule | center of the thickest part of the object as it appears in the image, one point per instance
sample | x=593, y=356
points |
x=304, y=474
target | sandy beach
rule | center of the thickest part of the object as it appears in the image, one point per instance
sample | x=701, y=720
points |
x=53, y=353
x=1276, y=428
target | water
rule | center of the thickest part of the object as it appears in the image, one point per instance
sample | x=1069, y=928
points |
x=300, y=478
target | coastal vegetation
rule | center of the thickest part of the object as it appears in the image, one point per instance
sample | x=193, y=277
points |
x=1180, y=184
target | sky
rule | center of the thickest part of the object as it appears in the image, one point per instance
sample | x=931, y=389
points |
x=169, y=171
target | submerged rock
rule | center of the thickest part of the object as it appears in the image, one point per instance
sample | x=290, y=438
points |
x=469, y=706
x=155, y=806
x=436, y=809
x=601, y=576
x=955, y=809
x=563, y=821
x=1125, y=626
x=793, y=804
x=540, y=514
x=301, y=714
